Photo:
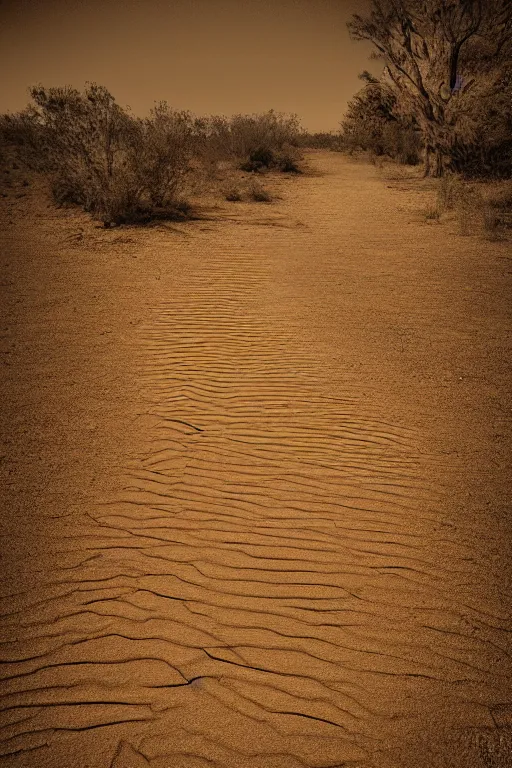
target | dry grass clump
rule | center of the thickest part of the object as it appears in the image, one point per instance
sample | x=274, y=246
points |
x=449, y=188
x=498, y=212
x=258, y=193
x=478, y=208
x=233, y=194
x=433, y=213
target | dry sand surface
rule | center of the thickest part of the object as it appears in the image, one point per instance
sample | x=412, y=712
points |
x=256, y=496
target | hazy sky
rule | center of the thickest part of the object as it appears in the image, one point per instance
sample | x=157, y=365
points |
x=207, y=56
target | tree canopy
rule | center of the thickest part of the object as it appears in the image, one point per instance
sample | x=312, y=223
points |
x=441, y=57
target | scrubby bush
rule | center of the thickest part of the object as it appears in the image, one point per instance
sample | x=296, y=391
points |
x=259, y=193
x=259, y=159
x=401, y=142
x=23, y=135
x=476, y=208
x=288, y=159
x=268, y=132
x=118, y=167
x=253, y=142
x=372, y=123
x=211, y=140
x=123, y=169
x=88, y=142
x=233, y=194
x=321, y=140
x=163, y=151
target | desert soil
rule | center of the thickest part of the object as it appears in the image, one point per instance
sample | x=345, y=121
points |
x=256, y=484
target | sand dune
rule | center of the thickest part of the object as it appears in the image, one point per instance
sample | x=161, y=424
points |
x=258, y=513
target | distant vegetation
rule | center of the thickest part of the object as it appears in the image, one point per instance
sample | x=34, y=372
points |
x=121, y=168
x=321, y=140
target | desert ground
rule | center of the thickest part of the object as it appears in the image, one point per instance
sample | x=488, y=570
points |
x=256, y=483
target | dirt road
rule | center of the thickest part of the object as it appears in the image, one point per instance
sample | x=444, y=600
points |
x=256, y=494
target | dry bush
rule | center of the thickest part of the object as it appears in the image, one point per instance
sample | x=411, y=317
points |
x=401, y=142
x=22, y=135
x=372, y=123
x=267, y=132
x=498, y=211
x=469, y=205
x=252, y=142
x=259, y=193
x=467, y=202
x=162, y=151
x=485, y=209
x=321, y=140
x=119, y=168
x=211, y=141
x=288, y=159
x=233, y=194
x=448, y=191
x=87, y=144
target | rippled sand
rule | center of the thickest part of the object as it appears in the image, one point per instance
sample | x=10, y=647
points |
x=256, y=486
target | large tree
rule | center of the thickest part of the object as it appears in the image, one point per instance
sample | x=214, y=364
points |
x=434, y=52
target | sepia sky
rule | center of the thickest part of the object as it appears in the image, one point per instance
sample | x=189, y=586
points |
x=206, y=56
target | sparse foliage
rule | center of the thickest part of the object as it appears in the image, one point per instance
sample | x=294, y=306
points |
x=163, y=153
x=373, y=122
x=259, y=193
x=256, y=142
x=321, y=140
x=98, y=155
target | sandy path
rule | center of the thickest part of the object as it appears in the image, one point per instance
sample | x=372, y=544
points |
x=265, y=524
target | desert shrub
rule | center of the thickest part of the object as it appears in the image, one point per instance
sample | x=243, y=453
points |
x=211, y=140
x=448, y=191
x=501, y=200
x=287, y=159
x=320, y=140
x=363, y=124
x=253, y=142
x=401, y=142
x=163, y=148
x=487, y=210
x=269, y=131
x=259, y=193
x=233, y=194
x=469, y=207
x=22, y=135
x=481, y=113
x=494, y=227
x=260, y=158
x=483, y=158
x=86, y=143
x=374, y=123
x=498, y=211
x=100, y=157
